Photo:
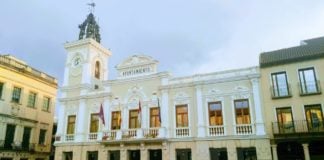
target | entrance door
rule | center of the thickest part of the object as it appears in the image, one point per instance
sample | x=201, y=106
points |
x=134, y=155
x=156, y=154
x=183, y=154
x=114, y=155
x=246, y=153
x=218, y=153
x=290, y=151
x=10, y=133
x=92, y=155
x=26, y=137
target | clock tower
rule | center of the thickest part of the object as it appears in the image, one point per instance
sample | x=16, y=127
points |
x=87, y=59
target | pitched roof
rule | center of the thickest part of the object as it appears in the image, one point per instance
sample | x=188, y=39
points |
x=309, y=49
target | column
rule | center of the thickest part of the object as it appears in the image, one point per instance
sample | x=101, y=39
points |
x=123, y=152
x=66, y=76
x=260, y=130
x=274, y=152
x=124, y=116
x=81, y=122
x=165, y=112
x=144, y=155
x=200, y=112
x=107, y=114
x=18, y=135
x=3, y=129
x=60, y=120
x=306, y=151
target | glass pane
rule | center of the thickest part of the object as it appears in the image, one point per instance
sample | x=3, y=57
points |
x=285, y=120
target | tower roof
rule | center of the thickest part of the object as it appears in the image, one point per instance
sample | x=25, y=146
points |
x=89, y=28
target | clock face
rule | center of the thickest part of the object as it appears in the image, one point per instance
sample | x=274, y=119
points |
x=76, y=61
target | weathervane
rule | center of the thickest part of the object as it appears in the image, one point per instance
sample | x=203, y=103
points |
x=92, y=6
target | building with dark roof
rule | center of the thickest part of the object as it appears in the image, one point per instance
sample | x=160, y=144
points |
x=291, y=83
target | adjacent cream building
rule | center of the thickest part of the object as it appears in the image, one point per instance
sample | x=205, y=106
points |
x=292, y=82
x=27, y=99
x=151, y=115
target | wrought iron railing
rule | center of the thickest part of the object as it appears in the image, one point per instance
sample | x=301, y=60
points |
x=298, y=126
x=281, y=91
x=308, y=88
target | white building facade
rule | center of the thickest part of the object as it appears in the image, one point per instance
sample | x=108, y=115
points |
x=150, y=115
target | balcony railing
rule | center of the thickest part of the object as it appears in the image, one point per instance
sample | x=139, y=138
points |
x=130, y=133
x=109, y=135
x=282, y=91
x=92, y=136
x=299, y=126
x=69, y=137
x=216, y=130
x=244, y=129
x=309, y=88
x=151, y=132
x=182, y=132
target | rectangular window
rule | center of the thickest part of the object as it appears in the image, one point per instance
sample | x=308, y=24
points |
x=308, y=82
x=182, y=115
x=67, y=155
x=246, y=153
x=31, y=99
x=46, y=103
x=280, y=86
x=1, y=89
x=16, y=95
x=215, y=113
x=218, y=153
x=183, y=154
x=71, y=124
x=242, y=111
x=92, y=155
x=133, y=119
x=42, y=135
x=115, y=120
x=314, y=117
x=94, y=123
x=10, y=133
x=155, y=117
x=26, y=138
x=285, y=120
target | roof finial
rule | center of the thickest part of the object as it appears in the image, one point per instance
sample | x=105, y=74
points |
x=92, y=6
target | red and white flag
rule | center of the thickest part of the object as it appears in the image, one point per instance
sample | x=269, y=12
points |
x=102, y=115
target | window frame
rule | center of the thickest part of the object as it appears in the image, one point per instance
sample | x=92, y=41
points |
x=183, y=115
x=303, y=86
x=137, y=124
x=48, y=104
x=157, y=121
x=114, y=118
x=42, y=137
x=276, y=93
x=34, y=101
x=215, y=112
x=95, y=122
x=242, y=111
x=70, y=124
x=14, y=95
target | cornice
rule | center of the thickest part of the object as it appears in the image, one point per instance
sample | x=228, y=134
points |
x=87, y=41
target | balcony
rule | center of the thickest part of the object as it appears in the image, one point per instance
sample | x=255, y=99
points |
x=69, y=137
x=309, y=88
x=216, y=130
x=244, y=129
x=182, y=132
x=282, y=91
x=92, y=136
x=299, y=128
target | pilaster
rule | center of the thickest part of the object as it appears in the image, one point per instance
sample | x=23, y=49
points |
x=260, y=130
x=200, y=112
x=81, y=121
x=274, y=152
x=306, y=151
x=60, y=124
x=165, y=111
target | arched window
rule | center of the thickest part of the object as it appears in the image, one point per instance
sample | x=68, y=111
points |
x=97, y=70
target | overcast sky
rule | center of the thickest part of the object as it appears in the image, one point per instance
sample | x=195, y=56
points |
x=186, y=36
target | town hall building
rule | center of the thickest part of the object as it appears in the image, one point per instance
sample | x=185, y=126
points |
x=145, y=114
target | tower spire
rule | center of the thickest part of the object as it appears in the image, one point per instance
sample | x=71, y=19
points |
x=90, y=28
